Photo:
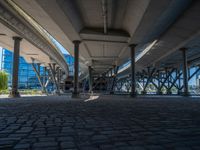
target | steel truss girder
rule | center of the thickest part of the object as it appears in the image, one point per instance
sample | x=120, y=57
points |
x=55, y=76
x=38, y=74
x=168, y=74
x=150, y=77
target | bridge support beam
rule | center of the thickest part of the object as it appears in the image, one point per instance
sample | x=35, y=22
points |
x=90, y=79
x=185, y=72
x=115, y=69
x=53, y=73
x=38, y=74
x=159, y=91
x=14, y=92
x=58, y=77
x=133, y=78
x=168, y=82
x=75, y=93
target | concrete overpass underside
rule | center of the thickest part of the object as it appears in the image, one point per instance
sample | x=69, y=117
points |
x=157, y=37
x=134, y=44
x=105, y=34
x=23, y=36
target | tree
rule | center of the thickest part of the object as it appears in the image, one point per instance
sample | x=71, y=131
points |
x=3, y=80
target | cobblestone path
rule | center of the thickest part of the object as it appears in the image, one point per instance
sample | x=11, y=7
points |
x=109, y=122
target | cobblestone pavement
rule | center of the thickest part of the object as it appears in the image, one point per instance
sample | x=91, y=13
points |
x=106, y=123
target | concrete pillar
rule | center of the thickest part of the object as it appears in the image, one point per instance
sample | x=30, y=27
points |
x=58, y=78
x=76, y=68
x=133, y=78
x=179, y=80
x=14, y=92
x=115, y=71
x=90, y=79
x=44, y=76
x=54, y=76
x=54, y=68
x=185, y=72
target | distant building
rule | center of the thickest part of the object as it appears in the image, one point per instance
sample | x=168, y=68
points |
x=27, y=76
x=70, y=62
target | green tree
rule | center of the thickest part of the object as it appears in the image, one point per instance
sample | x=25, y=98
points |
x=3, y=80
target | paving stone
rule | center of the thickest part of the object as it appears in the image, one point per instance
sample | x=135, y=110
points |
x=22, y=146
x=46, y=139
x=154, y=147
x=115, y=122
x=99, y=137
x=67, y=145
x=89, y=148
x=6, y=147
x=25, y=130
x=65, y=138
x=45, y=144
x=107, y=147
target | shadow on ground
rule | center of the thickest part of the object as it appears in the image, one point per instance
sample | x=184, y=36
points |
x=102, y=122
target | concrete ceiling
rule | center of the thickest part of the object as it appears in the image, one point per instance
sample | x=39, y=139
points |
x=182, y=33
x=107, y=27
x=36, y=44
x=27, y=50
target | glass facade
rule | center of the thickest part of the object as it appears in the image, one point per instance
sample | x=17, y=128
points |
x=27, y=76
x=70, y=62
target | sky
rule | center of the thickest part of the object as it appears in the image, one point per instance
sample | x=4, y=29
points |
x=61, y=48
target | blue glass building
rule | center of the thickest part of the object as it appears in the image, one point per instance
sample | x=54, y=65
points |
x=70, y=62
x=27, y=76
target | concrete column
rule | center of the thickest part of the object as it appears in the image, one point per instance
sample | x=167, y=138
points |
x=185, y=72
x=54, y=68
x=14, y=92
x=90, y=79
x=76, y=68
x=44, y=76
x=179, y=80
x=58, y=78
x=133, y=78
x=54, y=76
x=115, y=71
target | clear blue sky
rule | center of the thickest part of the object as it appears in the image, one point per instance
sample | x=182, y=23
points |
x=61, y=48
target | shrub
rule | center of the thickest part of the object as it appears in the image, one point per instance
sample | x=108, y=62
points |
x=3, y=80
